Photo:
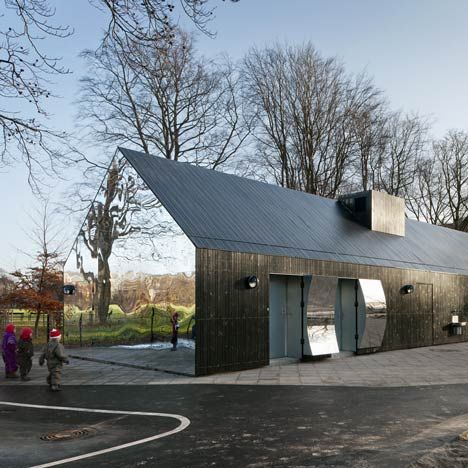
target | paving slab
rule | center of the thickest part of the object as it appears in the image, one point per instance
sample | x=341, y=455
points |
x=436, y=365
x=181, y=361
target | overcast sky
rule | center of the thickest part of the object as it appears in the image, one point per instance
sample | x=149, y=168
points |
x=416, y=51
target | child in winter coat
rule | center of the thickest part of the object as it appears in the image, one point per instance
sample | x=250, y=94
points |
x=175, y=330
x=9, y=352
x=25, y=353
x=54, y=354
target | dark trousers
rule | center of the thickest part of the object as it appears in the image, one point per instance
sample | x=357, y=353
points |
x=25, y=366
x=174, y=341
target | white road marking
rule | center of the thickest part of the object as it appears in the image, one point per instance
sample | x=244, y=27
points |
x=184, y=423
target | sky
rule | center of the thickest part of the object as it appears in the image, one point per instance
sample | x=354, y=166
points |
x=415, y=50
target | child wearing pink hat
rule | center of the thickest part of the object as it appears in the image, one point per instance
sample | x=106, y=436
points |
x=9, y=352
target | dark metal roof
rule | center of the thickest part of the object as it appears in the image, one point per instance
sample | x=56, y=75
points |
x=226, y=212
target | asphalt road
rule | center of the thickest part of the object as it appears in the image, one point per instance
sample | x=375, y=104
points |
x=241, y=426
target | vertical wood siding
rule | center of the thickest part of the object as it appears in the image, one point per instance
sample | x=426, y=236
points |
x=232, y=321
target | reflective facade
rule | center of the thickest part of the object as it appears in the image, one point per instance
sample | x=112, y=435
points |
x=341, y=309
x=131, y=266
x=373, y=296
x=321, y=315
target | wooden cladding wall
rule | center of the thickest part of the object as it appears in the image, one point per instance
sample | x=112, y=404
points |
x=232, y=321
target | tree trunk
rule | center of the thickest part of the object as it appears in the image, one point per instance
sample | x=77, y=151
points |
x=36, y=323
x=103, y=290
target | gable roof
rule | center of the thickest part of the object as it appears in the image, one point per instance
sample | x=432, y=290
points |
x=226, y=212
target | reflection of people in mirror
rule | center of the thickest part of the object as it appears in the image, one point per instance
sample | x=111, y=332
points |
x=175, y=330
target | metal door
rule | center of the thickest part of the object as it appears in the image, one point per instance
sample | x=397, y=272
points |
x=278, y=317
x=346, y=314
x=425, y=315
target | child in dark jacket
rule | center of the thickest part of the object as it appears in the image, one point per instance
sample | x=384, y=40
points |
x=25, y=353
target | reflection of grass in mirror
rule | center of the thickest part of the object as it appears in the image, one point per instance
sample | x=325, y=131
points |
x=124, y=328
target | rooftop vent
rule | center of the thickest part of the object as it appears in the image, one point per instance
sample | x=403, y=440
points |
x=377, y=211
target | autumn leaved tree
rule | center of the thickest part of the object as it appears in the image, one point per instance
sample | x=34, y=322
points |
x=39, y=288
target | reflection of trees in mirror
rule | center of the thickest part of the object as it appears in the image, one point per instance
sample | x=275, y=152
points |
x=374, y=297
x=123, y=210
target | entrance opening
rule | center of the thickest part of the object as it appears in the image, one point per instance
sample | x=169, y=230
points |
x=324, y=315
x=285, y=316
x=349, y=314
x=360, y=314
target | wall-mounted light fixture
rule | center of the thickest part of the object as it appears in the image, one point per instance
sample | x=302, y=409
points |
x=407, y=289
x=68, y=289
x=251, y=282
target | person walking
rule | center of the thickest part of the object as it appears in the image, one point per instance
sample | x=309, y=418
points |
x=54, y=354
x=9, y=352
x=175, y=330
x=25, y=353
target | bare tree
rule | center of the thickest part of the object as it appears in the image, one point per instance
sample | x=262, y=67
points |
x=26, y=69
x=165, y=101
x=305, y=105
x=369, y=126
x=123, y=208
x=406, y=141
x=452, y=152
x=25, y=72
x=159, y=96
x=441, y=193
x=144, y=21
x=426, y=198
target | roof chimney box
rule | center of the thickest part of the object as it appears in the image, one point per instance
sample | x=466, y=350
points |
x=377, y=211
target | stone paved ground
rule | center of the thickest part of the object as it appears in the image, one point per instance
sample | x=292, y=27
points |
x=181, y=361
x=436, y=365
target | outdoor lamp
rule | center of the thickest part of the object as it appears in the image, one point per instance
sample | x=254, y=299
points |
x=68, y=289
x=407, y=289
x=251, y=282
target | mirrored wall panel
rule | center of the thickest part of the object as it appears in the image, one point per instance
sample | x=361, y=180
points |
x=372, y=294
x=131, y=272
x=321, y=315
x=339, y=309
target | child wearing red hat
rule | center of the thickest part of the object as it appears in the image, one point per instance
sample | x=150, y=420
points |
x=25, y=353
x=9, y=352
x=54, y=354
